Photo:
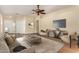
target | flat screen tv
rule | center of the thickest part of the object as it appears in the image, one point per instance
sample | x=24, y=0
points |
x=61, y=23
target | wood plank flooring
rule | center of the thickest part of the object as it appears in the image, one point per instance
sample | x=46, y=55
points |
x=67, y=49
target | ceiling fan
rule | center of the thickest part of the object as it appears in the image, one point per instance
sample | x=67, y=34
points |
x=39, y=11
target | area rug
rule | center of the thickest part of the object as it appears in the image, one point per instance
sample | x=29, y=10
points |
x=48, y=46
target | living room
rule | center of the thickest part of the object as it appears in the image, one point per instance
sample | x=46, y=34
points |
x=21, y=20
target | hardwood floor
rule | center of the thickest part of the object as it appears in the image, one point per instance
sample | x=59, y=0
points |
x=67, y=49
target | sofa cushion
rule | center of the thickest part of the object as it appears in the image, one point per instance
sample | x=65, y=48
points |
x=3, y=46
x=23, y=41
x=51, y=34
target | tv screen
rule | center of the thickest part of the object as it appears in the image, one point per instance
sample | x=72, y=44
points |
x=61, y=23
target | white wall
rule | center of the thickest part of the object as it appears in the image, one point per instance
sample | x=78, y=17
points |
x=30, y=29
x=70, y=14
x=1, y=21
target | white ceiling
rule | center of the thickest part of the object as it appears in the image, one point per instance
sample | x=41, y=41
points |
x=27, y=9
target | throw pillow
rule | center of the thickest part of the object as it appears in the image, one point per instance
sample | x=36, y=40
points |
x=9, y=39
x=51, y=34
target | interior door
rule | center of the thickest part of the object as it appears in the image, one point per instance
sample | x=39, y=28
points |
x=37, y=26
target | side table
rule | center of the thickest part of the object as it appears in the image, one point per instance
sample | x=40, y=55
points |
x=76, y=40
x=70, y=40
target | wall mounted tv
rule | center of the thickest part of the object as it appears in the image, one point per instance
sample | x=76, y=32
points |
x=61, y=23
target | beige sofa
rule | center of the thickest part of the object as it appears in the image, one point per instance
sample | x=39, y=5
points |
x=4, y=48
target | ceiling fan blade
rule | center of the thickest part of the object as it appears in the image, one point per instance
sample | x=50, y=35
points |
x=42, y=10
x=34, y=10
x=38, y=6
x=43, y=13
